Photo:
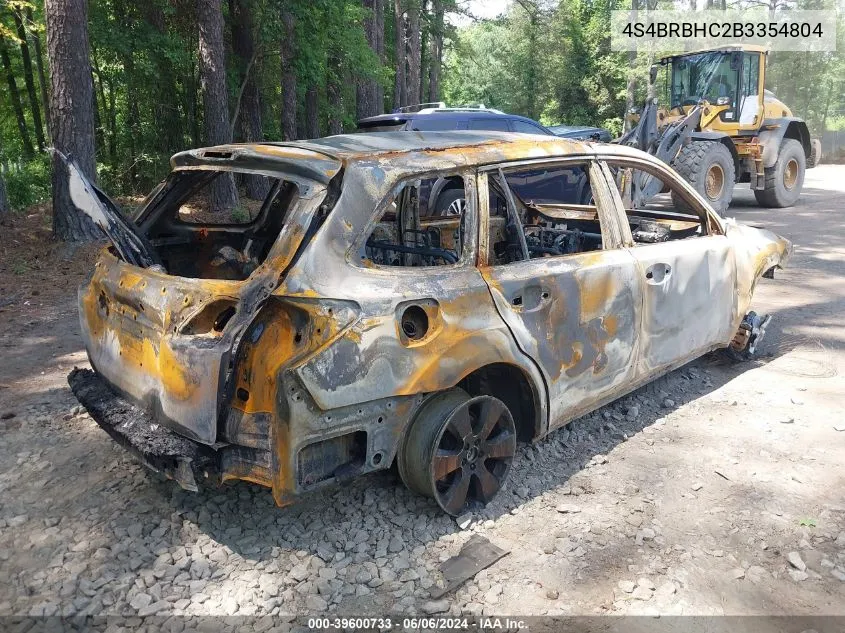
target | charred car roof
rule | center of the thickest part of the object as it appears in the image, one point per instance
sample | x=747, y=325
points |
x=327, y=155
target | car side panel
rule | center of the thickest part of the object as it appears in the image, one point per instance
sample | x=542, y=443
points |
x=689, y=288
x=578, y=317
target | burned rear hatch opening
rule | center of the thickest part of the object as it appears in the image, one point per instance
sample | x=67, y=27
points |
x=225, y=227
x=212, y=224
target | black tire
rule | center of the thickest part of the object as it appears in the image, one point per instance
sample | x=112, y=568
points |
x=790, y=167
x=447, y=201
x=709, y=167
x=458, y=450
x=815, y=153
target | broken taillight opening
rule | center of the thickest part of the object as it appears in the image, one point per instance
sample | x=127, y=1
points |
x=212, y=318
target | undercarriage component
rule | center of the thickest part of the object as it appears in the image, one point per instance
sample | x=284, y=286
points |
x=459, y=450
x=157, y=447
x=751, y=331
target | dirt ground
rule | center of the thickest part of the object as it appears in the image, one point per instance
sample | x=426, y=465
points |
x=718, y=489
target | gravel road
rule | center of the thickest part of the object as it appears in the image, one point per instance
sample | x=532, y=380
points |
x=717, y=489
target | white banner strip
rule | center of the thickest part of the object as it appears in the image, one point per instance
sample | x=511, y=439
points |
x=693, y=30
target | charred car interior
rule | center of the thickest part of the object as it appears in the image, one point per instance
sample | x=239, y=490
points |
x=294, y=315
x=197, y=236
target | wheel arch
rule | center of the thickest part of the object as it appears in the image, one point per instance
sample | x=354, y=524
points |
x=514, y=386
x=775, y=130
x=724, y=139
x=440, y=185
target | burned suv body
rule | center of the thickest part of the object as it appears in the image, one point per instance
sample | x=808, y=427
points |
x=335, y=329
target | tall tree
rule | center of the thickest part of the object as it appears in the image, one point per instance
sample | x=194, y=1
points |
x=71, y=111
x=414, y=52
x=215, y=94
x=367, y=102
x=400, y=87
x=288, y=59
x=39, y=64
x=4, y=199
x=15, y=95
x=246, y=56
x=248, y=108
x=436, y=55
x=312, y=112
x=631, y=84
x=29, y=79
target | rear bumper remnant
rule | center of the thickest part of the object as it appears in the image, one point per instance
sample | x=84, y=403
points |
x=157, y=447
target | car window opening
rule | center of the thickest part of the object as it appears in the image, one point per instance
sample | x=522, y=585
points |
x=542, y=212
x=423, y=225
x=201, y=230
x=665, y=216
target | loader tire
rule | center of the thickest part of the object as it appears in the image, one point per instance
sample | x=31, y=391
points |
x=815, y=153
x=785, y=178
x=709, y=167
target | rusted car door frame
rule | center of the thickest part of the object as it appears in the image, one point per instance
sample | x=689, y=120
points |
x=577, y=316
x=688, y=287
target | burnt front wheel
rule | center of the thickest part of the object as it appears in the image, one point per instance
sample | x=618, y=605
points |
x=458, y=450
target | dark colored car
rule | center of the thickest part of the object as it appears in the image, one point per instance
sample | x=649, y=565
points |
x=446, y=196
x=581, y=132
x=442, y=119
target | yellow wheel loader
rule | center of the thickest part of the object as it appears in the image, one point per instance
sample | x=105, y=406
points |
x=709, y=115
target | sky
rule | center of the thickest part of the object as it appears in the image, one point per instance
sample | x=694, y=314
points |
x=479, y=9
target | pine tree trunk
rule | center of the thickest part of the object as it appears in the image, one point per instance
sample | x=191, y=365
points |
x=251, y=129
x=166, y=109
x=288, y=54
x=379, y=47
x=400, y=92
x=215, y=95
x=414, y=53
x=631, y=87
x=29, y=80
x=436, y=60
x=312, y=114
x=365, y=103
x=71, y=111
x=39, y=64
x=4, y=200
x=28, y=151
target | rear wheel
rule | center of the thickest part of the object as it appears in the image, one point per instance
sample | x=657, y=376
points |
x=785, y=178
x=458, y=450
x=709, y=167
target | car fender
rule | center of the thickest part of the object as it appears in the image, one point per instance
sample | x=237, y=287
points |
x=757, y=252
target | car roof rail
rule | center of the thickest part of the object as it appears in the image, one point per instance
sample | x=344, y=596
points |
x=440, y=106
x=418, y=107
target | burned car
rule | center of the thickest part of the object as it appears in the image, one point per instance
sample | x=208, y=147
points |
x=315, y=326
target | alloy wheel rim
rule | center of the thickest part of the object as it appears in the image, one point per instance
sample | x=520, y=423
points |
x=472, y=454
x=456, y=207
x=714, y=182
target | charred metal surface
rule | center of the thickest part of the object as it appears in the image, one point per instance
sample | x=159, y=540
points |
x=311, y=369
x=133, y=428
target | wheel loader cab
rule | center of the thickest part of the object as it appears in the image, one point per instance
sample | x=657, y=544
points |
x=728, y=82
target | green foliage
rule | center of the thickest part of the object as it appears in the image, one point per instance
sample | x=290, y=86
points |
x=28, y=182
x=554, y=65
